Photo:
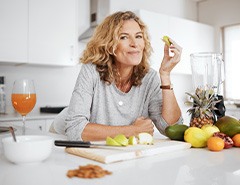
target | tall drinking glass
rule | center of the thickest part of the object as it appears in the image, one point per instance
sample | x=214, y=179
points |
x=23, y=98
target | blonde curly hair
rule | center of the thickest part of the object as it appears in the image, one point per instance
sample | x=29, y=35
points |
x=102, y=45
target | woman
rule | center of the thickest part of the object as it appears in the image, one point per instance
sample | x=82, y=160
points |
x=116, y=90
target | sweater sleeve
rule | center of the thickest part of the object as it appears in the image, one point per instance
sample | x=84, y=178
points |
x=155, y=106
x=78, y=114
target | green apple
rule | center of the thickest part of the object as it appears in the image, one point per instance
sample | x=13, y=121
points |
x=145, y=138
x=111, y=142
x=166, y=40
x=210, y=129
x=132, y=140
x=121, y=139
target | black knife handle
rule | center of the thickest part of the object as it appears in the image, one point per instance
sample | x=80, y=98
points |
x=65, y=143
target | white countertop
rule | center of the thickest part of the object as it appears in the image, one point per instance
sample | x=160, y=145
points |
x=14, y=116
x=185, y=167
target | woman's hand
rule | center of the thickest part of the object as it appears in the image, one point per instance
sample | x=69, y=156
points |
x=142, y=124
x=169, y=62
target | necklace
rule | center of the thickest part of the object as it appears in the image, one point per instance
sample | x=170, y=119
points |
x=124, y=87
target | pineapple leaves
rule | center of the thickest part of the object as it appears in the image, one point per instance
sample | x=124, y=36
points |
x=194, y=97
x=204, y=102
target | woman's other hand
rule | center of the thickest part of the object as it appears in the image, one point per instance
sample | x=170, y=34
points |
x=143, y=124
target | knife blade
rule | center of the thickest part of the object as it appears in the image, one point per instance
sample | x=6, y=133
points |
x=83, y=144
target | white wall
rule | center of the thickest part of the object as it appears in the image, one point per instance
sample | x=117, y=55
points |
x=180, y=8
x=54, y=85
x=219, y=13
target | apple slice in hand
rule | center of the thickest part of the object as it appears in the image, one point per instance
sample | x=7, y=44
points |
x=166, y=40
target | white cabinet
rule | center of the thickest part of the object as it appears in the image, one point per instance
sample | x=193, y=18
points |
x=53, y=32
x=13, y=31
x=33, y=124
x=39, y=32
x=191, y=36
x=38, y=124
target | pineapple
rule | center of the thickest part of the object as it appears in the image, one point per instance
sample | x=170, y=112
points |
x=203, y=106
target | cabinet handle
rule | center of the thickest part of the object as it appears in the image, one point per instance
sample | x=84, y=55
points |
x=72, y=52
x=40, y=127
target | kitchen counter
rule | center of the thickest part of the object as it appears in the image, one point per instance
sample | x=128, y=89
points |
x=14, y=116
x=185, y=167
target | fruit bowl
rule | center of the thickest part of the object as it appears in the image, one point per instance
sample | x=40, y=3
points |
x=27, y=149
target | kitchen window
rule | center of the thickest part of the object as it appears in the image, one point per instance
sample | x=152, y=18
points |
x=231, y=51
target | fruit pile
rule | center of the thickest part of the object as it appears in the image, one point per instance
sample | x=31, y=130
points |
x=224, y=134
x=122, y=140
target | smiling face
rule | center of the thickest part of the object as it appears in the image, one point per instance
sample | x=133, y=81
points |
x=130, y=45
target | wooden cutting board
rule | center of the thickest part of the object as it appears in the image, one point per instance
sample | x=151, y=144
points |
x=115, y=154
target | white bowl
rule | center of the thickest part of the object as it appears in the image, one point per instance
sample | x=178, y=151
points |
x=28, y=148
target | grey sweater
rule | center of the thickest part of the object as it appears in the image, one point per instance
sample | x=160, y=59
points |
x=94, y=101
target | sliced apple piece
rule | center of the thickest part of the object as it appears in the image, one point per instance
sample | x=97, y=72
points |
x=166, y=40
x=132, y=140
x=145, y=138
x=111, y=142
x=121, y=139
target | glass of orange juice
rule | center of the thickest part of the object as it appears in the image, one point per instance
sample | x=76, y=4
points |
x=23, y=97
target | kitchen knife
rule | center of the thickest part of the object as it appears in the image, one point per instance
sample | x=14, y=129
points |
x=82, y=144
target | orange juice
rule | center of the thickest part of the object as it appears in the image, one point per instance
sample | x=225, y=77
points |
x=23, y=103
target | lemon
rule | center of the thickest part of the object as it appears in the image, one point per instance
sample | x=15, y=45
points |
x=111, y=142
x=121, y=139
x=196, y=137
x=210, y=129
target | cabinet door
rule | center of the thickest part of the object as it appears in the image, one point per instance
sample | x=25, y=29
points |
x=36, y=124
x=192, y=37
x=33, y=124
x=13, y=31
x=53, y=32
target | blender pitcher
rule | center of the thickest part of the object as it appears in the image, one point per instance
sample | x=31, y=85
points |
x=208, y=71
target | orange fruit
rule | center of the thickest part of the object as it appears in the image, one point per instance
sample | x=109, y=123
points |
x=215, y=143
x=236, y=140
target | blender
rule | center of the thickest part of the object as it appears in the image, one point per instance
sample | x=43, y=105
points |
x=208, y=71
